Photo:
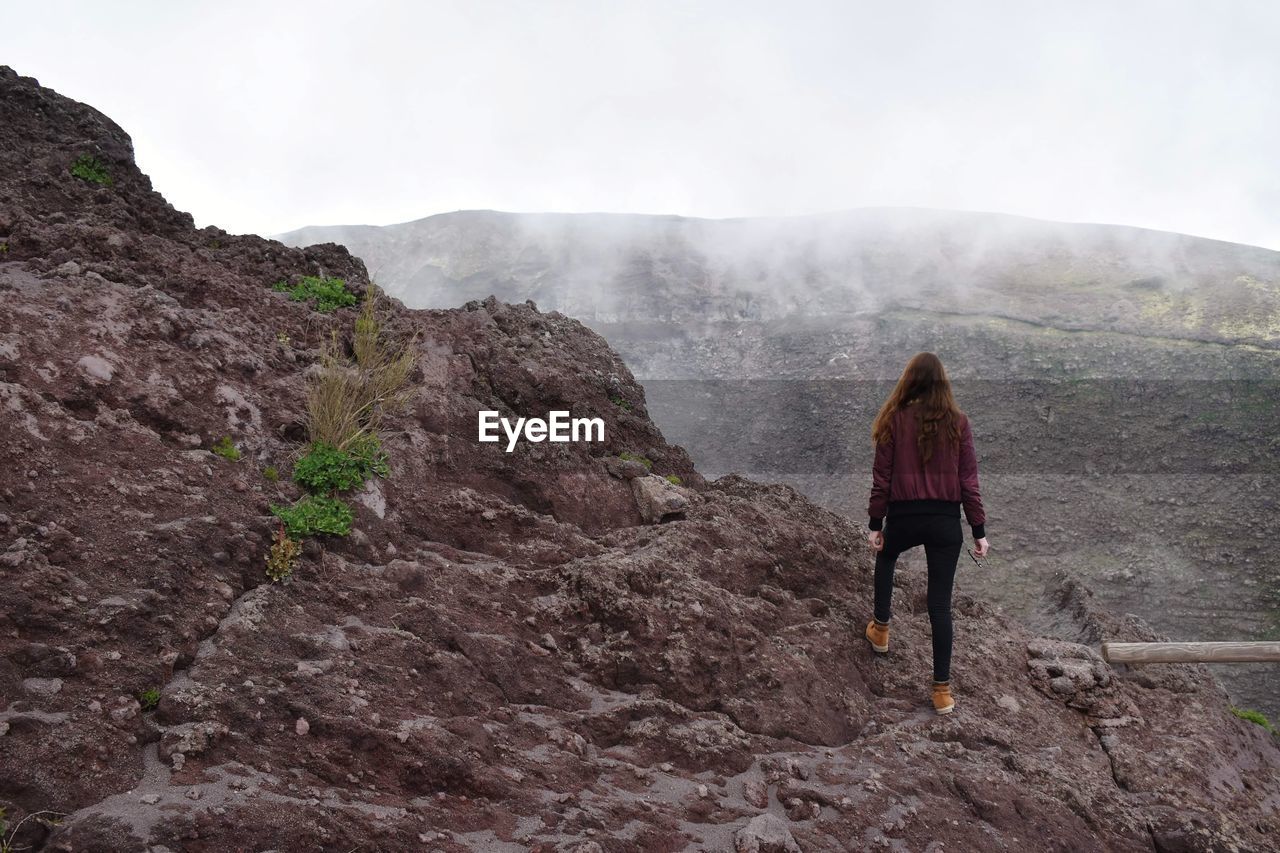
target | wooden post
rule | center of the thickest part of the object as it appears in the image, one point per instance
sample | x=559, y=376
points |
x=1190, y=652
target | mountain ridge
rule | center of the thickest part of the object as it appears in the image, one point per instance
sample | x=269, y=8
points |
x=293, y=234
x=611, y=268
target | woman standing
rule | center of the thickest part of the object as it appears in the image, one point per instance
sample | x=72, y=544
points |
x=925, y=470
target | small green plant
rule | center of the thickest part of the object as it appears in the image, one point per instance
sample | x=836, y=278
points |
x=367, y=447
x=346, y=399
x=91, y=169
x=325, y=294
x=326, y=469
x=271, y=474
x=4, y=246
x=282, y=559
x=282, y=338
x=226, y=448
x=628, y=456
x=315, y=514
x=674, y=480
x=620, y=403
x=1253, y=716
x=149, y=698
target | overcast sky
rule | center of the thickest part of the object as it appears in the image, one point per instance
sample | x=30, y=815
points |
x=266, y=116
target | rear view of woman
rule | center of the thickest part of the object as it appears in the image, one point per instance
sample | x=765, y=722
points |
x=925, y=470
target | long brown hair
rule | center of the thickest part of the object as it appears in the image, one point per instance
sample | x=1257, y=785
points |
x=924, y=380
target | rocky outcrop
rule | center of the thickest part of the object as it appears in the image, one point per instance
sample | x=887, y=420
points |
x=502, y=655
x=658, y=499
x=765, y=833
x=1078, y=676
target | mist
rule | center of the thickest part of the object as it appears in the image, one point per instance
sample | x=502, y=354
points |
x=267, y=117
x=665, y=275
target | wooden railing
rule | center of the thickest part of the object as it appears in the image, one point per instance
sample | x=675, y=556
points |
x=1190, y=652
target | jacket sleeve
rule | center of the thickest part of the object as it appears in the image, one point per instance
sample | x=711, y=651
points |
x=881, y=476
x=970, y=495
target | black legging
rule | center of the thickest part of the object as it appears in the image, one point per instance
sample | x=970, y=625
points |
x=942, y=539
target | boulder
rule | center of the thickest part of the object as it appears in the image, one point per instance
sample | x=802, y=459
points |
x=765, y=833
x=658, y=499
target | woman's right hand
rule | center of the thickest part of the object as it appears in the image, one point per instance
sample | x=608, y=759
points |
x=876, y=540
x=983, y=547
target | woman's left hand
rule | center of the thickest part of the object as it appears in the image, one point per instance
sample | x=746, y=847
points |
x=876, y=540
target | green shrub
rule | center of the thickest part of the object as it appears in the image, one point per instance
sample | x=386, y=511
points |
x=149, y=698
x=326, y=469
x=91, y=169
x=282, y=559
x=620, y=403
x=674, y=480
x=346, y=399
x=4, y=246
x=271, y=474
x=315, y=514
x=367, y=447
x=225, y=448
x=627, y=456
x=325, y=294
x=1253, y=716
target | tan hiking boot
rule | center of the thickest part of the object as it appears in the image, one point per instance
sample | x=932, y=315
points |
x=943, y=701
x=878, y=635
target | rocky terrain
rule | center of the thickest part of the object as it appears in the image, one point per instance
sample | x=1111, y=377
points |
x=1123, y=383
x=553, y=649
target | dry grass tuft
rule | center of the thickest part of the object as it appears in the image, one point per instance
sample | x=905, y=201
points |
x=350, y=394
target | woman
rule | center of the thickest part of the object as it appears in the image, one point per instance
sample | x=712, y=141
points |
x=925, y=469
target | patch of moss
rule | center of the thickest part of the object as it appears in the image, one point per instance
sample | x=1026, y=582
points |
x=1256, y=717
x=226, y=448
x=628, y=456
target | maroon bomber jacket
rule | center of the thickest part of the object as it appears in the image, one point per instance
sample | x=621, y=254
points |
x=901, y=485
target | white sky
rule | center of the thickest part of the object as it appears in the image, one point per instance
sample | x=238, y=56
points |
x=266, y=116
